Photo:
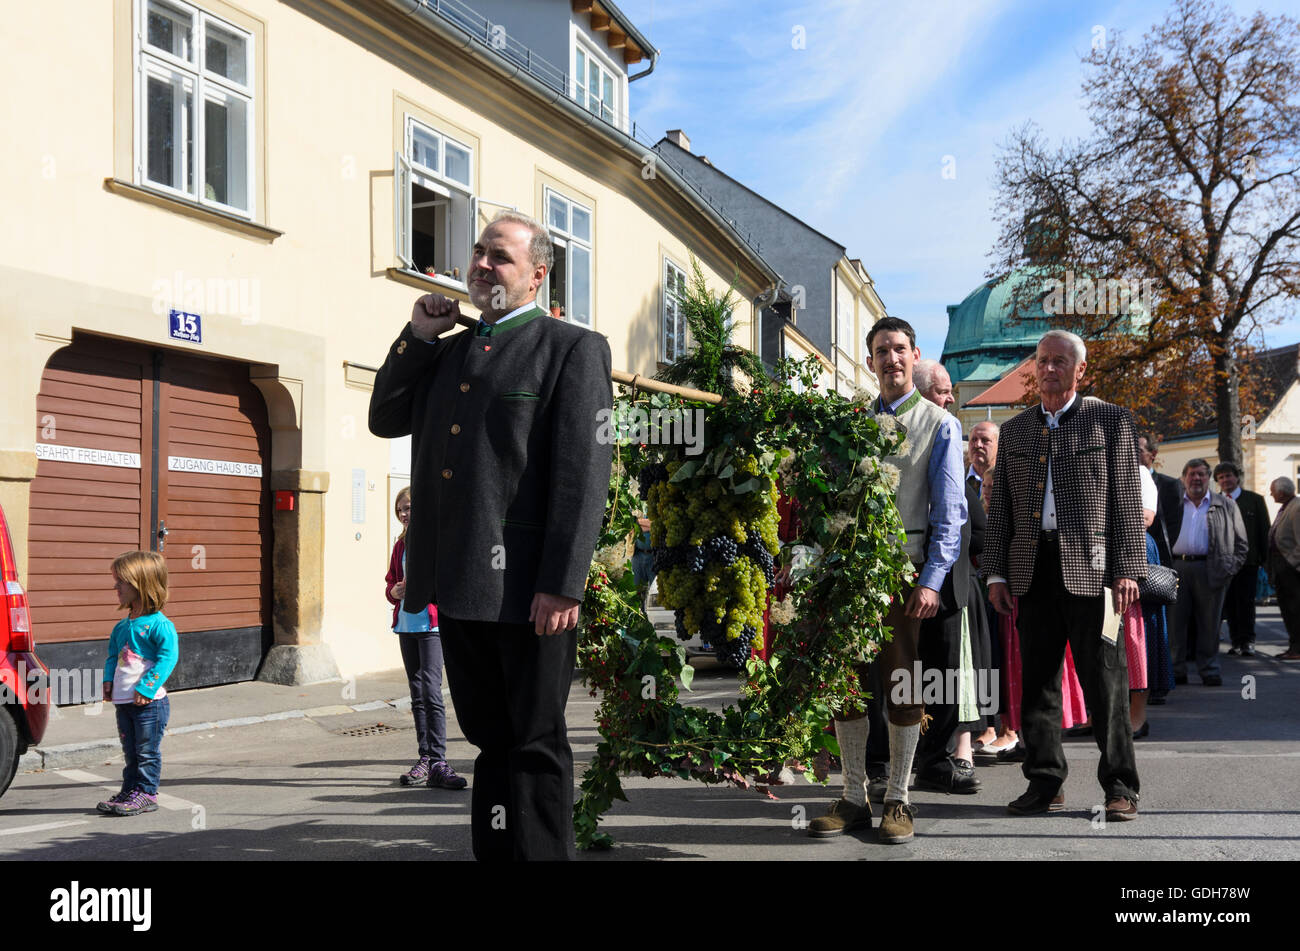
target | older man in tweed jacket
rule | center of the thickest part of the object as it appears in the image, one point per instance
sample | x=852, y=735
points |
x=1065, y=524
x=508, y=489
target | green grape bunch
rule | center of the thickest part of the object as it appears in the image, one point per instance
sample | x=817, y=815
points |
x=714, y=550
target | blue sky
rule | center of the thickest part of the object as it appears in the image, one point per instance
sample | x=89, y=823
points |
x=850, y=132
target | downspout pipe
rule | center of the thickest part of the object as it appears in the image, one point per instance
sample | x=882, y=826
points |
x=654, y=58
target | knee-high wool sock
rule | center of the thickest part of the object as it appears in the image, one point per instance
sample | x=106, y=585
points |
x=852, y=736
x=902, y=749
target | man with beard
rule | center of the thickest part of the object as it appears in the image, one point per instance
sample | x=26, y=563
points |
x=510, y=482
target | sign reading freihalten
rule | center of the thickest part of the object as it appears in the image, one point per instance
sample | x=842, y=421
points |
x=214, y=466
x=89, y=457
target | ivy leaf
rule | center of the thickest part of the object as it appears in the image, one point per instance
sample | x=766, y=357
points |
x=686, y=471
x=749, y=485
x=688, y=675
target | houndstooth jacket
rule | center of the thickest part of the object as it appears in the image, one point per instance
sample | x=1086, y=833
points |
x=1097, y=492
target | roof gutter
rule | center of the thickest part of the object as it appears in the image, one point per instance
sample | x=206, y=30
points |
x=654, y=58
x=630, y=29
x=616, y=137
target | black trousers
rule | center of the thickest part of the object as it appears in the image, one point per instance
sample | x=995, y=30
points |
x=510, y=687
x=1049, y=617
x=1287, y=581
x=1239, y=606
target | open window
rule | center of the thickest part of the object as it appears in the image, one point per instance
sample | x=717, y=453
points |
x=434, y=205
x=568, y=285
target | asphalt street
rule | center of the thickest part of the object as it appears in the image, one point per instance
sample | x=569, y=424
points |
x=1218, y=782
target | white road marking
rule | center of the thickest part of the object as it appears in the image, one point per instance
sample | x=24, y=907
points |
x=164, y=800
x=81, y=776
x=44, y=826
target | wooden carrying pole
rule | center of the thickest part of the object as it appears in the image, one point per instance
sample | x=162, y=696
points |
x=635, y=380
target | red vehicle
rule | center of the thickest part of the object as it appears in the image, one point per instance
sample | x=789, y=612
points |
x=24, y=680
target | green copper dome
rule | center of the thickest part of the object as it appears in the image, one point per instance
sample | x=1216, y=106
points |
x=983, y=343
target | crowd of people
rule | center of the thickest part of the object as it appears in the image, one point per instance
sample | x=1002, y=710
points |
x=1045, y=559
x=1098, y=578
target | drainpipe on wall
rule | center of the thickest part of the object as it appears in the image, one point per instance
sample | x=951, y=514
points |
x=654, y=58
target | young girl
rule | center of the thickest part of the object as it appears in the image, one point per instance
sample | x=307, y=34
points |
x=422, y=656
x=142, y=653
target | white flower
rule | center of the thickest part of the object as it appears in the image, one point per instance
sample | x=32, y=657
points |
x=862, y=395
x=887, y=422
x=867, y=465
x=783, y=611
x=612, y=557
x=785, y=468
x=839, y=523
x=890, y=475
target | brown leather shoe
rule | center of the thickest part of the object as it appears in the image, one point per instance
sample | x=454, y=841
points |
x=1121, y=809
x=896, y=823
x=843, y=816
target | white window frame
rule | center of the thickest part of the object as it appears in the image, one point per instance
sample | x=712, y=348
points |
x=406, y=173
x=203, y=85
x=566, y=242
x=578, y=84
x=845, y=335
x=671, y=300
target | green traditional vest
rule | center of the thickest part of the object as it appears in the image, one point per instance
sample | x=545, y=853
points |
x=920, y=420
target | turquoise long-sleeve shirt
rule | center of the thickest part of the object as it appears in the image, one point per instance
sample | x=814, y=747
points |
x=152, y=637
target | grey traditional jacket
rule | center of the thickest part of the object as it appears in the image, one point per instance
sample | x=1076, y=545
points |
x=508, y=480
x=1229, y=546
x=1097, y=492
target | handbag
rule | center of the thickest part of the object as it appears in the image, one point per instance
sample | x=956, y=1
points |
x=1159, y=587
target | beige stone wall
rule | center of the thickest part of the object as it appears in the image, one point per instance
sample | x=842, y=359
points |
x=79, y=257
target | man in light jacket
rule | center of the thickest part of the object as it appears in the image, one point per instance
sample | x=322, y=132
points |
x=1208, y=540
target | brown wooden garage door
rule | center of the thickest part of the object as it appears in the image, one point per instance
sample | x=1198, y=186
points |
x=158, y=450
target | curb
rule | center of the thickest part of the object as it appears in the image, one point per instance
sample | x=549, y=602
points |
x=72, y=755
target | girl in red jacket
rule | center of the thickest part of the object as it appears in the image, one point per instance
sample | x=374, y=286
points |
x=422, y=656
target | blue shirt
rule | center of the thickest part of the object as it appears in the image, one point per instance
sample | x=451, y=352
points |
x=145, y=647
x=947, y=497
x=408, y=622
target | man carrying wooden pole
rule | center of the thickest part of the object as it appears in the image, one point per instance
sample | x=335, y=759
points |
x=508, y=488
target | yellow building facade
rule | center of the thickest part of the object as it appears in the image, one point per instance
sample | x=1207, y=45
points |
x=218, y=214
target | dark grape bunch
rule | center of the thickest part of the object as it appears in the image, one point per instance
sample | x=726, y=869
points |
x=653, y=473
x=734, y=653
x=757, y=552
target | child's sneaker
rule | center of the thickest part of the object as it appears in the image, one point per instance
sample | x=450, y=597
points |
x=418, y=774
x=135, y=803
x=106, y=807
x=442, y=776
